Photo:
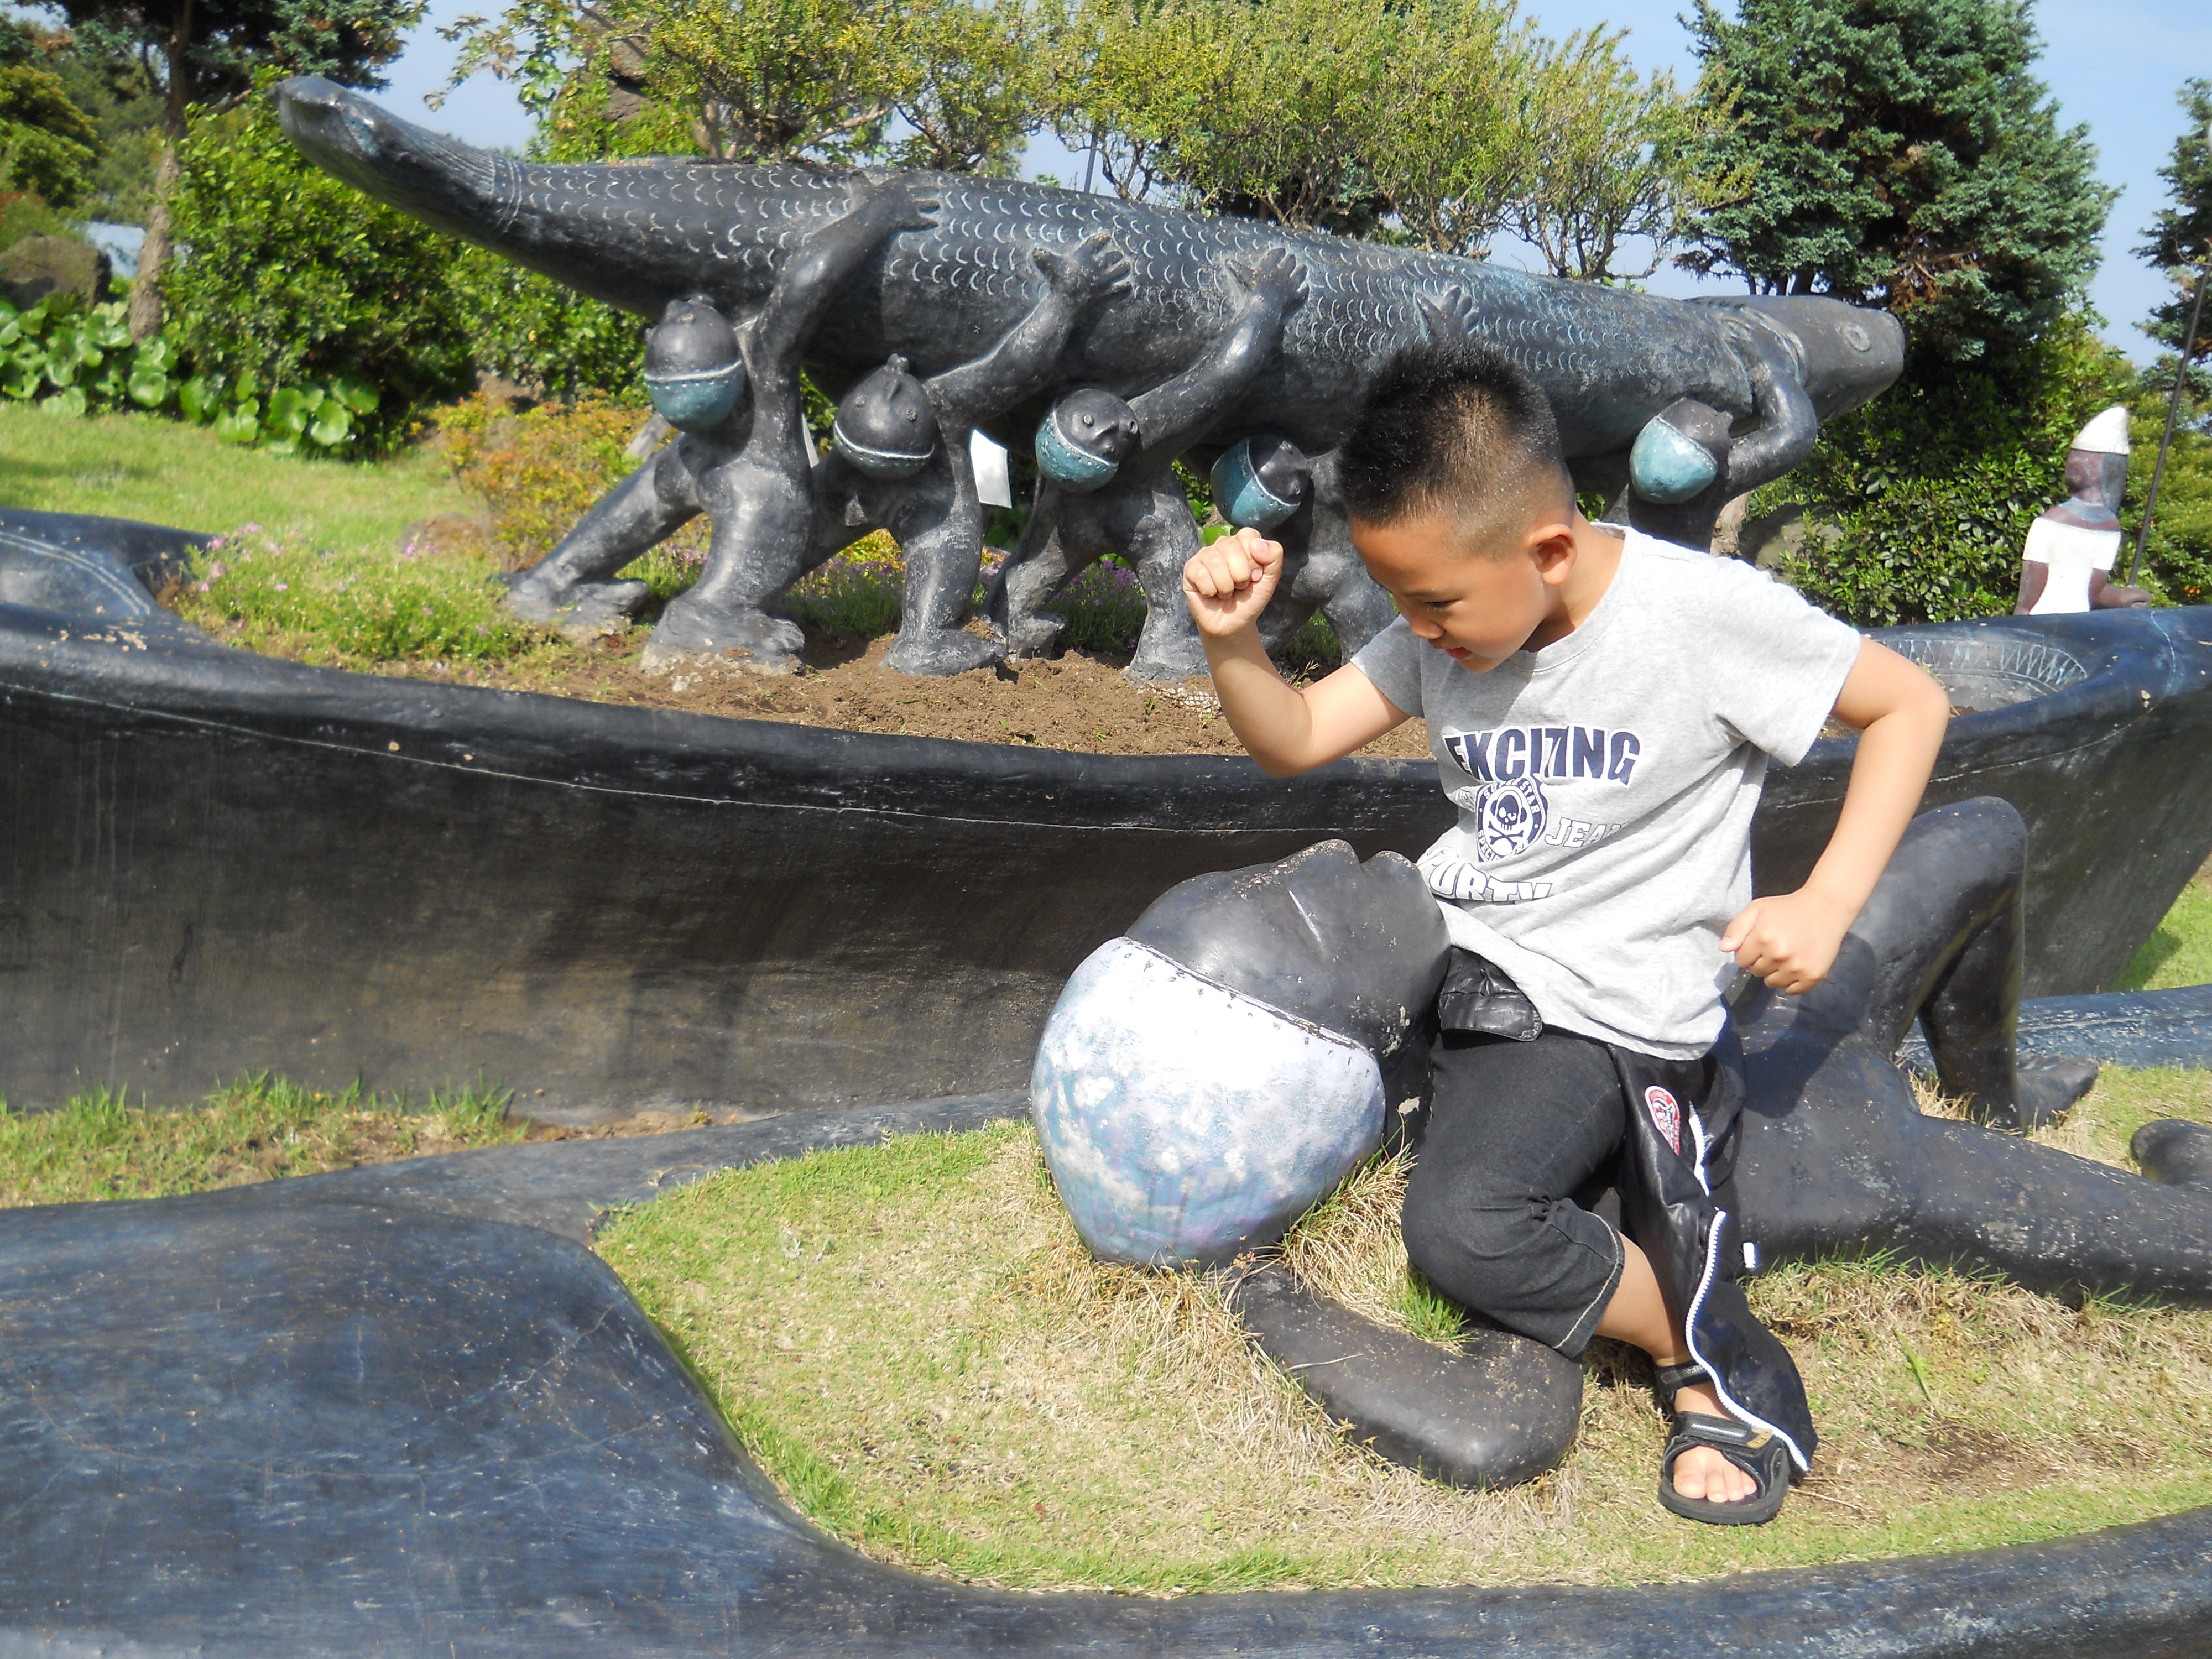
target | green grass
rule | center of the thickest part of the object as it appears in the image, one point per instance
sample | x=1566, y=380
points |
x=911, y=1341
x=100, y=1146
x=347, y=608
x=164, y=471
x=2179, y=950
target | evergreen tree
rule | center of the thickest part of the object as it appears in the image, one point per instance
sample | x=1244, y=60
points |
x=1899, y=152
x=206, y=53
x=2181, y=234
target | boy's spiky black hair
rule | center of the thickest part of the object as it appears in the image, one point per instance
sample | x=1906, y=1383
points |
x=1456, y=427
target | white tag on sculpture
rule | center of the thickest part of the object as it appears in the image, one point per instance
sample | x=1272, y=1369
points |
x=995, y=485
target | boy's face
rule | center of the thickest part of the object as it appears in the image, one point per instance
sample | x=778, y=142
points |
x=1476, y=599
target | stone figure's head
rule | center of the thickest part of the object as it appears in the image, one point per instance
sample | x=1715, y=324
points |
x=2097, y=464
x=694, y=371
x=885, y=427
x=1205, y=1078
x=1260, y=480
x=1085, y=438
x=1681, y=451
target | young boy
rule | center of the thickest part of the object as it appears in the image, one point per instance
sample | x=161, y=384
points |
x=1601, y=708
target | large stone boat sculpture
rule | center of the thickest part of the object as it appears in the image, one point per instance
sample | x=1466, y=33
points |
x=218, y=862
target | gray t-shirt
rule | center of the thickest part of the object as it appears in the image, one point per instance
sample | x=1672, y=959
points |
x=1606, y=784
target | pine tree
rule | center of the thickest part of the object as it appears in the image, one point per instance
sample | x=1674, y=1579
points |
x=2181, y=234
x=1898, y=152
x=207, y=53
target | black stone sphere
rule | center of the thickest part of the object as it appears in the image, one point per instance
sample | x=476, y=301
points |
x=885, y=427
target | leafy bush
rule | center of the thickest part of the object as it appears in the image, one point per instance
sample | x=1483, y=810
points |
x=293, y=279
x=296, y=279
x=530, y=330
x=69, y=359
x=363, y=606
x=541, y=470
x=1923, y=498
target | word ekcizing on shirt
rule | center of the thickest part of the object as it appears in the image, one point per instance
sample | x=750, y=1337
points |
x=1507, y=752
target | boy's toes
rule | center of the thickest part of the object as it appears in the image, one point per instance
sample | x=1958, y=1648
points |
x=1706, y=1476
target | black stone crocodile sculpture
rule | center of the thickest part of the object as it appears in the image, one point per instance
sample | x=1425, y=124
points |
x=1723, y=393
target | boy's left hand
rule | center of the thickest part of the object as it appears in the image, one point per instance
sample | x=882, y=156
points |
x=1789, y=940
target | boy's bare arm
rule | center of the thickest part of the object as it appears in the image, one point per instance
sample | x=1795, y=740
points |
x=1227, y=586
x=1791, y=940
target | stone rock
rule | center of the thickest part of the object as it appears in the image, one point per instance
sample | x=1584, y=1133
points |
x=39, y=266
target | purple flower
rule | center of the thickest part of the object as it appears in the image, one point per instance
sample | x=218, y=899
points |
x=282, y=587
x=216, y=571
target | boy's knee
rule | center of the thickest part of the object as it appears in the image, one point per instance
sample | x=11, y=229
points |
x=1459, y=1245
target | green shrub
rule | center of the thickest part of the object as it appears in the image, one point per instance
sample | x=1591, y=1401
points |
x=296, y=279
x=292, y=279
x=71, y=360
x=1923, y=498
x=530, y=330
x=540, y=470
x=365, y=606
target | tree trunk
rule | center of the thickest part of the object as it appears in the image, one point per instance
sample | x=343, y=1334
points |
x=145, y=316
x=154, y=253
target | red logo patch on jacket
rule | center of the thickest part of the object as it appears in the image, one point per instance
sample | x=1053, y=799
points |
x=1667, y=1114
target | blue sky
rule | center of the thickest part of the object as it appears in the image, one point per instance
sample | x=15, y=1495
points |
x=2113, y=64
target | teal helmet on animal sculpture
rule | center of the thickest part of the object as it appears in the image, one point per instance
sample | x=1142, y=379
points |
x=1681, y=452
x=694, y=371
x=1085, y=438
x=885, y=427
x=1261, y=481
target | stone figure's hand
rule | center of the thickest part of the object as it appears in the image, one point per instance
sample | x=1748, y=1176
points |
x=1275, y=278
x=898, y=201
x=1789, y=940
x=1093, y=270
x=1229, y=584
x=1450, y=318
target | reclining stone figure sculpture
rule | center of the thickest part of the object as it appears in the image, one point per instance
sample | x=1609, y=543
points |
x=1320, y=957
x=1614, y=362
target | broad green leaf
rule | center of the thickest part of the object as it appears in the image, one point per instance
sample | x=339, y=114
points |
x=333, y=426
x=239, y=426
x=149, y=387
x=361, y=399
x=70, y=401
x=196, y=397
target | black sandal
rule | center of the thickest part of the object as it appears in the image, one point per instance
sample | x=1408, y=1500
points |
x=1767, y=1462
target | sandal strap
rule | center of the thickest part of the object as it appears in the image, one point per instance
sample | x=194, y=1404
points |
x=1667, y=1379
x=1723, y=1434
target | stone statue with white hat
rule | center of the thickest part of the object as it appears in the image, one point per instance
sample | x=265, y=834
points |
x=2071, y=546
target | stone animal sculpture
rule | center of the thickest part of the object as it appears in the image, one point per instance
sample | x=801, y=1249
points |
x=734, y=393
x=1106, y=481
x=900, y=459
x=1737, y=386
x=1832, y=1152
x=2071, y=546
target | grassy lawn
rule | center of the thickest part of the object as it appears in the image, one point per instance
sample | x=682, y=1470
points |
x=912, y=1341
x=164, y=471
x=2179, y=951
x=260, y=1128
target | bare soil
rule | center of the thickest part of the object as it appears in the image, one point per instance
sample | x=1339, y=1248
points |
x=1077, y=701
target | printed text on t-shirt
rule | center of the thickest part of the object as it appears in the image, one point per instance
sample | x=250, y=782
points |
x=1507, y=752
